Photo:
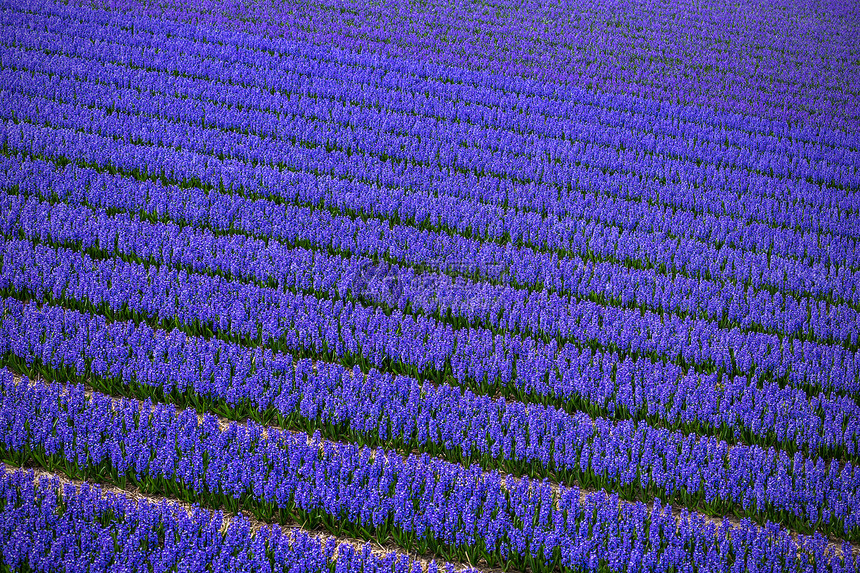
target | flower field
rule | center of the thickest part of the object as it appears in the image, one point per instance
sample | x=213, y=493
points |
x=425, y=287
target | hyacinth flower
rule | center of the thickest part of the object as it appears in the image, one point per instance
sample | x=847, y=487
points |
x=253, y=97
x=747, y=507
x=712, y=347
x=277, y=63
x=659, y=296
x=775, y=279
x=463, y=348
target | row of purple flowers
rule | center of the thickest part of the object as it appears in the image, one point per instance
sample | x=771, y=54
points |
x=270, y=72
x=411, y=246
x=419, y=501
x=45, y=522
x=380, y=39
x=400, y=136
x=732, y=405
x=536, y=269
x=638, y=460
x=596, y=161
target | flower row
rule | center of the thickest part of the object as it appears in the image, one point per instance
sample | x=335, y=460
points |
x=390, y=134
x=692, y=341
x=569, y=281
x=419, y=501
x=520, y=71
x=45, y=522
x=588, y=240
x=340, y=327
x=758, y=169
x=635, y=459
x=249, y=163
x=739, y=409
x=593, y=163
x=469, y=92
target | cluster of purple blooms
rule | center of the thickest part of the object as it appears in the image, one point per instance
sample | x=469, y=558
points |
x=45, y=523
x=119, y=76
x=356, y=249
x=637, y=459
x=557, y=246
x=496, y=222
x=418, y=500
x=327, y=93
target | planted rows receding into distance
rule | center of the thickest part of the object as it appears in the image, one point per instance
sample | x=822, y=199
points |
x=486, y=317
